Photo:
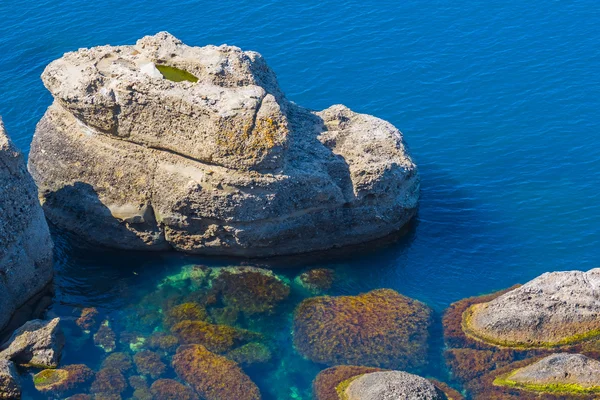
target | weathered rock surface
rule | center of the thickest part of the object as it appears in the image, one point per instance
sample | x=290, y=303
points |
x=558, y=370
x=554, y=308
x=391, y=385
x=10, y=387
x=221, y=163
x=37, y=343
x=25, y=244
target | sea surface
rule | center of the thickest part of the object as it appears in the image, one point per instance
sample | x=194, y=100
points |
x=499, y=102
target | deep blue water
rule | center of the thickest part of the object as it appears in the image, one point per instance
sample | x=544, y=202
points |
x=499, y=102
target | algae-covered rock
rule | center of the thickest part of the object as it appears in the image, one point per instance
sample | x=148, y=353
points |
x=109, y=381
x=216, y=338
x=561, y=373
x=105, y=338
x=10, y=386
x=250, y=354
x=37, y=344
x=557, y=308
x=389, y=385
x=64, y=380
x=162, y=341
x=212, y=376
x=316, y=281
x=251, y=290
x=185, y=312
x=326, y=383
x=149, y=363
x=168, y=389
x=381, y=328
x=211, y=160
x=119, y=361
x=26, y=247
x=88, y=320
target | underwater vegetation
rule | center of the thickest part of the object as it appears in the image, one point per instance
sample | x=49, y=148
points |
x=214, y=377
x=381, y=328
x=316, y=281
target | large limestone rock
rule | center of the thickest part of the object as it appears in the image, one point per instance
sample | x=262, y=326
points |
x=25, y=244
x=160, y=145
x=36, y=344
x=553, y=309
x=391, y=385
x=557, y=372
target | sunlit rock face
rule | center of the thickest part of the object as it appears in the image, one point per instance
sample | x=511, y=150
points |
x=25, y=244
x=161, y=145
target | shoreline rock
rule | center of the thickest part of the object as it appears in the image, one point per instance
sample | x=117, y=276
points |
x=135, y=158
x=36, y=344
x=26, y=251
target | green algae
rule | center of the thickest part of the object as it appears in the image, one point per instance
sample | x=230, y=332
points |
x=176, y=74
x=550, y=388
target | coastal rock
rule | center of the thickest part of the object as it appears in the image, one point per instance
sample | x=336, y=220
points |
x=561, y=372
x=160, y=145
x=381, y=328
x=37, y=344
x=10, y=387
x=25, y=244
x=64, y=380
x=390, y=385
x=556, y=308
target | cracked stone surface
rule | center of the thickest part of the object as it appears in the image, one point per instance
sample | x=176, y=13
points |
x=225, y=165
x=25, y=244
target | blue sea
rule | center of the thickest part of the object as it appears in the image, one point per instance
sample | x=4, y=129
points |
x=499, y=102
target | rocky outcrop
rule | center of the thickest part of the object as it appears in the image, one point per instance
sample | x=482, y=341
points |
x=10, y=387
x=390, y=385
x=160, y=145
x=563, y=372
x=25, y=244
x=36, y=344
x=557, y=308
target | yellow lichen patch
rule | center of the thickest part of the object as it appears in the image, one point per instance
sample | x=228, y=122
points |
x=550, y=388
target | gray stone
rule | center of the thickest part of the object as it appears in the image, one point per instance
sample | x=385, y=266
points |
x=560, y=369
x=25, y=244
x=225, y=165
x=391, y=385
x=554, y=308
x=10, y=387
x=37, y=344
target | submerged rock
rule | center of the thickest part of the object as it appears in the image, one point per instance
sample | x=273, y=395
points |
x=37, y=344
x=381, y=328
x=557, y=308
x=212, y=376
x=168, y=389
x=10, y=387
x=390, y=385
x=64, y=380
x=160, y=145
x=558, y=373
x=216, y=338
x=316, y=281
x=105, y=338
x=26, y=247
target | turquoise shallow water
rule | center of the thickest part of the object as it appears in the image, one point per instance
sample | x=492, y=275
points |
x=499, y=104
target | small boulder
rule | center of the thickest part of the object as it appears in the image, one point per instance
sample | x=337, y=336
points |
x=557, y=308
x=381, y=328
x=316, y=281
x=169, y=389
x=60, y=381
x=389, y=385
x=37, y=344
x=10, y=387
x=558, y=373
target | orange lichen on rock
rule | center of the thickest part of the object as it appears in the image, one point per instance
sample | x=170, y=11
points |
x=212, y=376
x=381, y=328
x=169, y=389
x=216, y=338
x=251, y=290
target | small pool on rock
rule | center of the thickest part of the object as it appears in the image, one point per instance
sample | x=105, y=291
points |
x=176, y=74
